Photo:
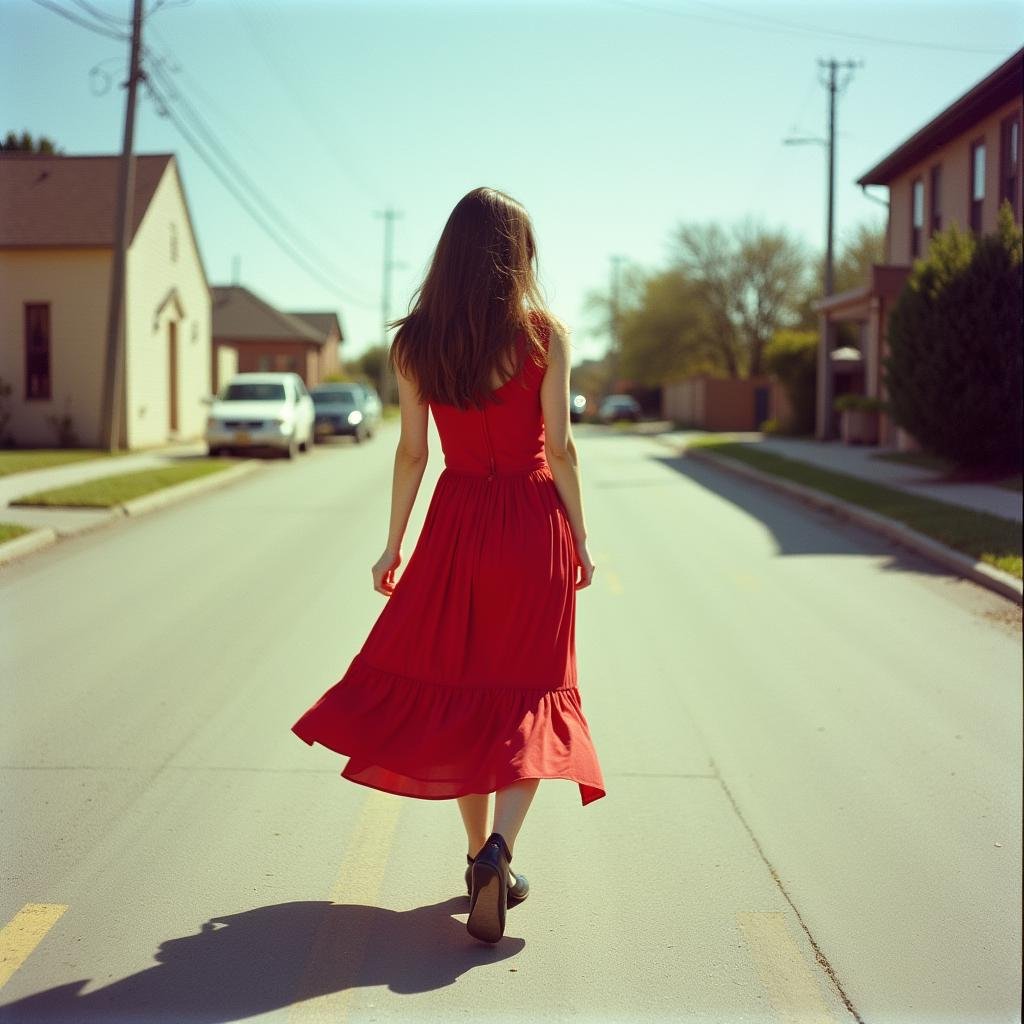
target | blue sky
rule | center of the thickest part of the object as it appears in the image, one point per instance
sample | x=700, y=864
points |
x=613, y=121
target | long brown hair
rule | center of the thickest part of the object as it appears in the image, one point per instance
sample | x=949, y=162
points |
x=479, y=293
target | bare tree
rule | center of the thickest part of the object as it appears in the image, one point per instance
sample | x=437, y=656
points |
x=750, y=283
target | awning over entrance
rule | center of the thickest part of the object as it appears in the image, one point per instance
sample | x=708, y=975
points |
x=846, y=369
x=886, y=282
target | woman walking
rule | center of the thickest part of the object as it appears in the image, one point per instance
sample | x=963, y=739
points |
x=466, y=684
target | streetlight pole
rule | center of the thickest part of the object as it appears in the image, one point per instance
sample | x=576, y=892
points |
x=825, y=363
x=389, y=215
x=613, y=318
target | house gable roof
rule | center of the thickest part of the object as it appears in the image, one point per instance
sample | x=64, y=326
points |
x=996, y=89
x=239, y=315
x=326, y=323
x=51, y=201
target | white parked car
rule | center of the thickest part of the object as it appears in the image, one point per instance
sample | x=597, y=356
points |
x=261, y=410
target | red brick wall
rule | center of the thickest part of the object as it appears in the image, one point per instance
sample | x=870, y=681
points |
x=723, y=403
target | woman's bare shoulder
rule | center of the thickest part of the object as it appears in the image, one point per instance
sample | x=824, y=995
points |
x=550, y=326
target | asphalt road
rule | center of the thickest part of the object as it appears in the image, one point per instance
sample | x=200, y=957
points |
x=811, y=740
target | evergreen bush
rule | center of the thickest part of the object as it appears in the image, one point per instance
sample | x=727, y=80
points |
x=953, y=372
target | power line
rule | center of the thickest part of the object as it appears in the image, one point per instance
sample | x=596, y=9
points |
x=770, y=24
x=167, y=110
x=92, y=26
x=166, y=5
x=323, y=139
x=208, y=101
x=259, y=207
x=102, y=16
x=200, y=126
x=212, y=138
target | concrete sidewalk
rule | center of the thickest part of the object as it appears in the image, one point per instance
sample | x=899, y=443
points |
x=69, y=521
x=14, y=485
x=859, y=461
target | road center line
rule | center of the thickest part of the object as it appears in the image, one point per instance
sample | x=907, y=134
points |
x=787, y=978
x=23, y=933
x=332, y=967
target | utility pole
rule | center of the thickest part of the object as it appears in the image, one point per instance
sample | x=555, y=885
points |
x=113, y=379
x=833, y=66
x=825, y=351
x=390, y=215
x=613, y=319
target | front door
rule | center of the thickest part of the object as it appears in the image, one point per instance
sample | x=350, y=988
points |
x=172, y=372
x=761, y=402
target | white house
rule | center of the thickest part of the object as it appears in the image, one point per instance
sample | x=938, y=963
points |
x=56, y=250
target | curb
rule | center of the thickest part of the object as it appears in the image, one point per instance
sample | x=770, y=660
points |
x=178, y=492
x=34, y=540
x=979, y=572
x=45, y=536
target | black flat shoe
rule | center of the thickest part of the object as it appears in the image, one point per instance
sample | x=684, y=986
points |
x=516, y=893
x=488, y=896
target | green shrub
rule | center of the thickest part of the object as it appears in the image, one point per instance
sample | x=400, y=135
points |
x=792, y=357
x=861, y=403
x=954, y=367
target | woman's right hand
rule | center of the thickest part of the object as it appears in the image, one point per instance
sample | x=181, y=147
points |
x=585, y=565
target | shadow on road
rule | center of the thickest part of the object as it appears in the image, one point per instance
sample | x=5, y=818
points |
x=264, y=959
x=811, y=532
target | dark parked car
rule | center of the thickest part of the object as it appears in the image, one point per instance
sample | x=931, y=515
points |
x=345, y=409
x=619, y=407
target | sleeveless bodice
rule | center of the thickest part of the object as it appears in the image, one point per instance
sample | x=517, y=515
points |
x=504, y=438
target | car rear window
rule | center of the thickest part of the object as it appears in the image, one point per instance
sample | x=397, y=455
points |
x=334, y=397
x=254, y=392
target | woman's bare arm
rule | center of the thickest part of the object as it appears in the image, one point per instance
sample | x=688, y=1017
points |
x=410, y=464
x=559, y=447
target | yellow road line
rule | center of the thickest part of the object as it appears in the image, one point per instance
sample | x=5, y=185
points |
x=23, y=933
x=746, y=581
x=790, y=983
x=336, y=956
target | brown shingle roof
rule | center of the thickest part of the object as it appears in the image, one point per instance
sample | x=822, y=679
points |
x=68, y=201
x=326, y=323
x=240, y=315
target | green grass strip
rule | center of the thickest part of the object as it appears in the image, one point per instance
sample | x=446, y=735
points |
x=115, y=490
x=985, y=537
x=18, y=461
x=8, y=531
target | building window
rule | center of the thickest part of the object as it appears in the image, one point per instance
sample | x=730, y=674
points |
x=977, y=184
x=1009, y=162
x=916, y=216
x=174, y=243
x=37, y=350
x=264, y=364
x=936, y=199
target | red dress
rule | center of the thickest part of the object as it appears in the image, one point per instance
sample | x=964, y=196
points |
x=467, y=680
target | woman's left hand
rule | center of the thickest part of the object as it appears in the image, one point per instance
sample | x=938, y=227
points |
x=384, y=572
